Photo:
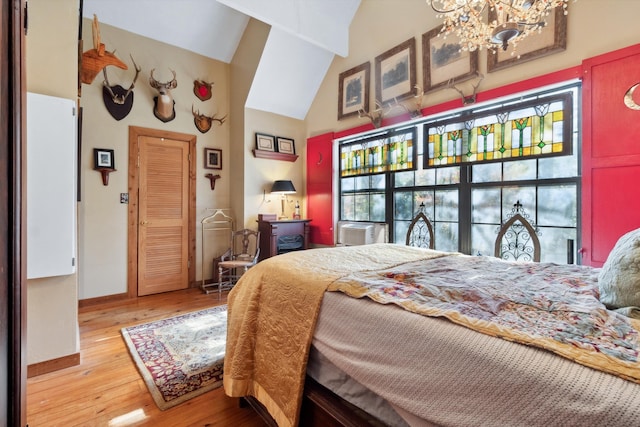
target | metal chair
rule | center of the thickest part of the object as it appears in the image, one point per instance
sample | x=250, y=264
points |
x=420, y=233
x=517, y=238
x=242, y=254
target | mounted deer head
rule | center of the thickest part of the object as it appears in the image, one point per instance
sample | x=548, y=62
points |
x=203, y=123
x=164, y=104
x=117, y=100
x=202, y=89
x=467, y=99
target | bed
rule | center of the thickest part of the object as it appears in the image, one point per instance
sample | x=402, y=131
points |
x=396, y=335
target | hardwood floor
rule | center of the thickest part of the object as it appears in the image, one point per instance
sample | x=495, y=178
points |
x=106, y=388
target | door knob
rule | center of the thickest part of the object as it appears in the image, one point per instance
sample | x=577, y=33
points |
x=144, y=222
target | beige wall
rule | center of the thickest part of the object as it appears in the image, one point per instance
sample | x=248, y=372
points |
x=51, y=45
x=379, y=25
x=251, y=176
x=103, y=219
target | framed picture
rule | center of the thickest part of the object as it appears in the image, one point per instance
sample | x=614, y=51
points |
x=552, y=39
x=396, y=73
x=353, y=91
x=212, y=158
x=443, y=62
x=103, y=159
x=286, y=145
x=265, y=142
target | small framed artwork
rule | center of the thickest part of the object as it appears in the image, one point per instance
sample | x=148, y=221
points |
x=286, y=145
x=396, y=73
x=103, y=158
x=444, y=62
x=552, y=39
x=353, y=91
x=212, y=158
x=265, y=142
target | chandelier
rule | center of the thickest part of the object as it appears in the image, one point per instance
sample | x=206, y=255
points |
x=493, y=24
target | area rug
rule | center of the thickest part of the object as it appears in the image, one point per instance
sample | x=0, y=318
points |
x=181, y=357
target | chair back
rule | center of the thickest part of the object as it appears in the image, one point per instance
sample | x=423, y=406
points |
x=420, y=233
x=245, y=244
x=517, y=237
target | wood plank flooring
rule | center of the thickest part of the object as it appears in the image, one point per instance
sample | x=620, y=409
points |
x=106, y=388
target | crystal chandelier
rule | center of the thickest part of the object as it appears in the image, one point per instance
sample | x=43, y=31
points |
x=493, y=24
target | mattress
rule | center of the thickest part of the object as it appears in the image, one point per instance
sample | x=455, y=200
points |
x=434, y=372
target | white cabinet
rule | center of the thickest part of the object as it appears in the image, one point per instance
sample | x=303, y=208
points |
x=51, y=186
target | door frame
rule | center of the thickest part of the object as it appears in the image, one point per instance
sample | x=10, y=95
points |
x=133, y=220
x=13, y=298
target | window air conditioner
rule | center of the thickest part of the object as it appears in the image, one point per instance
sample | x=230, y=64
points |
x=361, y=233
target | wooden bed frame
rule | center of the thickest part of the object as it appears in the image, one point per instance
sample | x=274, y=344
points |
x=320, y=408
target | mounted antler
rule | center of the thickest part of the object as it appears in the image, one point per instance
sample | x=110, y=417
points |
x=467, y=99
x=375, y=116
x=120, y=98
x=417, y=100
x=164, y=103
x=203, y=123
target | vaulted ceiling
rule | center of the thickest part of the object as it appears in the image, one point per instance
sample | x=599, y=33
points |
x=305, y=35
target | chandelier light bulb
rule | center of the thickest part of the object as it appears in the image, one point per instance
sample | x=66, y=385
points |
x=493, y=24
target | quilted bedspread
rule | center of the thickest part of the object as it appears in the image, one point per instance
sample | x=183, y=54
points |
x=272, y=313
x=545, y=305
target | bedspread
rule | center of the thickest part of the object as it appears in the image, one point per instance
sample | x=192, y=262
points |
x=272, y=312
x=550, y=306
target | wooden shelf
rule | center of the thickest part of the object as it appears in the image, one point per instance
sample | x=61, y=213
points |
x=263, y=154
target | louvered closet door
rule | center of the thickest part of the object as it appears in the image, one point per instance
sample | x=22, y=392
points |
x=163, y=214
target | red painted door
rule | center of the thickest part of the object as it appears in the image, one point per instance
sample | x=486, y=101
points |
x=320, y=189
x=611, y=152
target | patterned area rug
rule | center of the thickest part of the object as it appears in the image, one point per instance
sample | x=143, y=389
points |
x=181, y=357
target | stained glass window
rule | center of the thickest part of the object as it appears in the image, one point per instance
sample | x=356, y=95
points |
x=389, y=151
x=537, y=128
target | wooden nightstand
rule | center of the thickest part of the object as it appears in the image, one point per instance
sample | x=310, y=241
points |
x=280, y=236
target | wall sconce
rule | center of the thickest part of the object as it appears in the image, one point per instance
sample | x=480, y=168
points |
x=283, y=187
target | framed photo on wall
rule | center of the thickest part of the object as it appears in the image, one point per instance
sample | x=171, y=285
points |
x=552, y=39
x=286, y=145
x=265, y=142
x=212, y=158
x=396, y=72
x=443, y=61
x=103, y=158
x=353, y=91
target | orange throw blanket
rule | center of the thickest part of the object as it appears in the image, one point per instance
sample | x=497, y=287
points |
x=272, y=313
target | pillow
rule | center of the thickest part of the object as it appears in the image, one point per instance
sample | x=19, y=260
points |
x=619, y=279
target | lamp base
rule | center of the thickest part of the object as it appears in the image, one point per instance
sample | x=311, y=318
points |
x=282, y=214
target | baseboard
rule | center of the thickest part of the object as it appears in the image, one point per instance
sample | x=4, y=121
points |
x=53, y=365
x=100, y=300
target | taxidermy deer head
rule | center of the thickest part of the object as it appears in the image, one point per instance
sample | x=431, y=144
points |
x=202, y=89
x=203, y=123
x=164, y=104
x=117, y=100
x=94, y=60
x=467, y=99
